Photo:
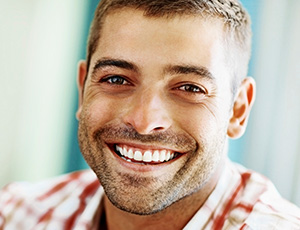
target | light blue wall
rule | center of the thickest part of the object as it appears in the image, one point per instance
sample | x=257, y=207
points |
x=39, y=43
x=236, y=147
x=75, y=160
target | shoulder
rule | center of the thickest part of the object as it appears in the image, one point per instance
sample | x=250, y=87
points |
x=260, y=206
x=35, y=201
x=62, y=185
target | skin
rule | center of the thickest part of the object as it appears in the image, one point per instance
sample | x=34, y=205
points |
x=157, y=83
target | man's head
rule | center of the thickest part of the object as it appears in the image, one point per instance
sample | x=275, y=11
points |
x=156, y=101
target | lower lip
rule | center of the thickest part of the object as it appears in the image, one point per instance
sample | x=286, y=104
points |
x=142, y=166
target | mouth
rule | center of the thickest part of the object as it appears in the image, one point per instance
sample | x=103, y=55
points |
x=144, y=156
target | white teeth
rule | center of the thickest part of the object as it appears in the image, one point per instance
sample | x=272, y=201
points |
x=130, y=154
x=120, y=150
x=155, y=156
x=148, y=156
x=125, y=153
x=168, y=156
x=162, y=156
x=138, y=156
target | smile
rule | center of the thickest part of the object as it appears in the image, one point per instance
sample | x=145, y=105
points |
x=144, y=156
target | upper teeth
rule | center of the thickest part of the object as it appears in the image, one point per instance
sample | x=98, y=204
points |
x=146, y=156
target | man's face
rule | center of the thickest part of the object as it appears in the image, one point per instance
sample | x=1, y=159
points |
x=155, y=108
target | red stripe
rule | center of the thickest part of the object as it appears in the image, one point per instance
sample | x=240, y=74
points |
x=244, y=226
x=90, y=189
x=46, y=216
x=60, y=186
x=219, y=222
x=248, y=208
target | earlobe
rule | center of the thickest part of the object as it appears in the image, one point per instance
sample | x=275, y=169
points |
x=241, y=108
x=81, y=76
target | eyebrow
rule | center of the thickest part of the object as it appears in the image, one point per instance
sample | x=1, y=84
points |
x=200, y=71
x=105, y=62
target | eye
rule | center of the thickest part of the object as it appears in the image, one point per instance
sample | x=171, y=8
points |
x=115, y=80
x=189, y=88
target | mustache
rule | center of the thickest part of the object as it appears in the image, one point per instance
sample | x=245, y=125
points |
x=170, y=138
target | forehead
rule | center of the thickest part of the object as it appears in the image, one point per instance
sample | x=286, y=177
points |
x=128, y=34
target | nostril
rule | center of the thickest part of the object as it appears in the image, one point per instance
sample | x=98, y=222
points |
x=158, y=128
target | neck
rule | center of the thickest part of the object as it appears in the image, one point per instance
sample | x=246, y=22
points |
x=175, y=216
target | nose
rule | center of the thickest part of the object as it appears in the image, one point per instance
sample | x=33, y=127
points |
x=147, y=113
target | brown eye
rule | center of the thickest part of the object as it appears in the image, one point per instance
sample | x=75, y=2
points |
x=115, y=80
x=191, y=89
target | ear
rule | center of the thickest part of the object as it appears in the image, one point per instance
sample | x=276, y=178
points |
x=81, y=76
x=241, y=108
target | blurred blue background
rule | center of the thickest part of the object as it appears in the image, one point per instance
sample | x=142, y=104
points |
x=40, y=44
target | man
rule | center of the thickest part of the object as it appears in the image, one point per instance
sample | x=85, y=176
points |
x=163, y=87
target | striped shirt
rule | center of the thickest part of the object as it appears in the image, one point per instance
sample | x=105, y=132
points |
x=242, y=200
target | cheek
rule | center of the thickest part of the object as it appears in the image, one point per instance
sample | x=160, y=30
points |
x=198, y=120
x=99, y=112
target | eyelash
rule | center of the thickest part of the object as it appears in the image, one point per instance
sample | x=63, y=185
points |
x=110, y=80
x=190, y=88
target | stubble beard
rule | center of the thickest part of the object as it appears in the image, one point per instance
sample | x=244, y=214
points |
x=131, y=192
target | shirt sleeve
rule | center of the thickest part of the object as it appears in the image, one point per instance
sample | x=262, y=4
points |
x=61, y=202
x=9, y=202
